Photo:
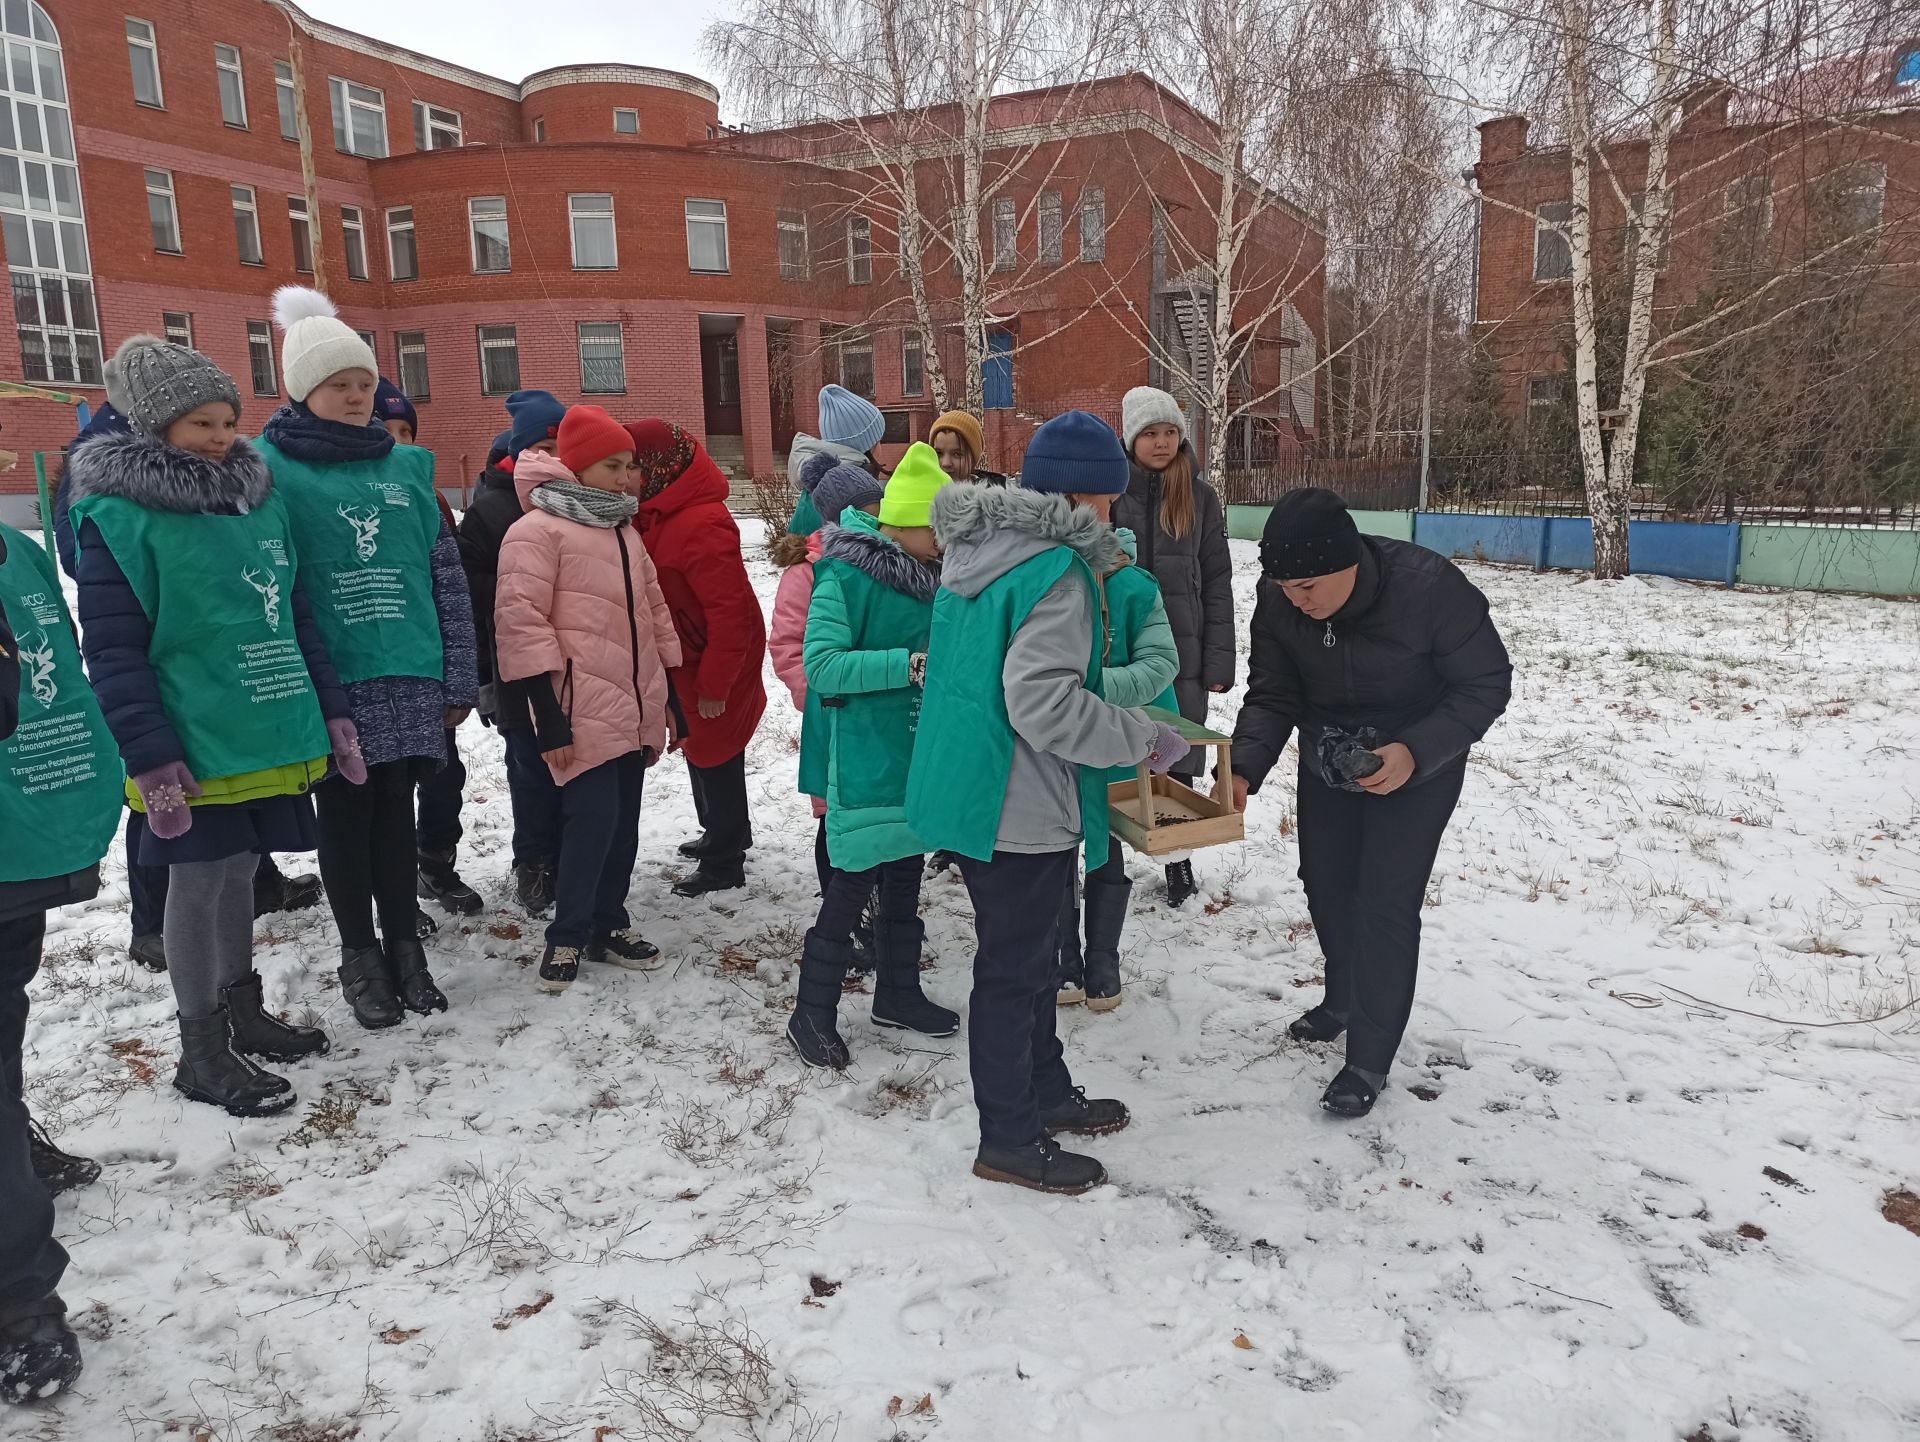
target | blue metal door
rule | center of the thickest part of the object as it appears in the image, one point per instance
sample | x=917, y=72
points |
x=996, y=372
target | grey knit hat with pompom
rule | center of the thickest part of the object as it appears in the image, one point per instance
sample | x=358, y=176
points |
x=159, y=382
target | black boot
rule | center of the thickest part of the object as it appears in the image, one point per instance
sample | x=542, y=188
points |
x=274, y=890
x=424, y=926
x=1317, y=1025
x=58, y=1171
x=1040, y=1165
x=1073, y=966
x=701, y=847
x=258, y=1032
x=1085, y=1116
x=368, y=985
x=407, y=961
x=440, y=883
x=812, y=1028
x=149, y=950
x=1181, y=887
x=212, y=1071
x=624, y=948
x=1106, y=919
x=713, y=876
x=1350, y=1094
x=898, y=1001
x=866, y=956
x=39, y=1355
x=533, y=887
x=559, y=969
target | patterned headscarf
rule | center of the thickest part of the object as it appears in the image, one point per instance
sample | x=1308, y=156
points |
x=661, y=454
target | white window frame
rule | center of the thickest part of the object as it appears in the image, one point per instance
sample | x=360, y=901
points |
x=259, y=349
x=163, y=189
x=284, y=100
x=859, y=250
x=181, y=334
x=1550, y=229
x=344, y=102
x=226, y=61
x=620, y=110
x=498, y=343
x=353, y=235
x=1543, y=392
x=1866, y=178
x=413, y=343
x=250, y=208
x=429, y=121
x=1093, y=223
x=150, y=42
x=726, y=253
x=788, y=224
x=619, y=341
x=413, y=243
x=1006, y=234
x=540, y=130
x=910, y=346
x=577, y=212
x=474, y=217
x=1050, y=222
x=297, y=218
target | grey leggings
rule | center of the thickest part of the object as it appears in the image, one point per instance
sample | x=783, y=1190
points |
x=209, y=929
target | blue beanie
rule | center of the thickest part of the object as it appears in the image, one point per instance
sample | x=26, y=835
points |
x=391, y=404
x=850, y=420
x=535, y=417
x=846, y=485
x=501, y=448
x=1075, y=454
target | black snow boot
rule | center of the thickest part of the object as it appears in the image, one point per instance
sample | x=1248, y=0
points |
x=368, y=985
x=407, y=961
x=58, y=1171
x=1351, y=1094
x=898, y=1001
x=713, y=876
x=559, y=969
x=1181, y=887
x=1317, y=1025
x=258, y=1032
x=701, y=847
x=424, y=926
x=1073, y=966
x=533, y=887
x=440, y=883
x=39, y=1355
x=274, y=890
x=812, y=1028
x=149, y=950
x=212, y=1071
x=1040, y=1165
x=1085, y=1116
x=625, y=948
x=1106, y=919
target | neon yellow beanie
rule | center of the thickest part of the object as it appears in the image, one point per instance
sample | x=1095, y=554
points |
x=909, y=497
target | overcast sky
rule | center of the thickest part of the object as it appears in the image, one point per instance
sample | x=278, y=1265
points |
x=512, y=39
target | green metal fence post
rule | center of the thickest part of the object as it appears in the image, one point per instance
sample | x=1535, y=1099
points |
x=46, y=501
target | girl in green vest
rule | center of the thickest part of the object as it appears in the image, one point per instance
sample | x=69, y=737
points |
x=218, y=689
x=865, y=650
x=392, y=603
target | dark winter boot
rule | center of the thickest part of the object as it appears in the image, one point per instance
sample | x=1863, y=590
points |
x=1073, y=966
x=58, y=1171
x=368, y=985
x=866, y=956
x=212, y=1071
x=1085, y=1116
x=812, y=1029
x=258, y=1032
x=898, y=1002
x=1106, y=919
x=533, y=887
x=439, y=882
x=1181, y=887
x=1317, y=1025
x=624, y=948
x=1040, y=1165
x=695, y=849
x=1352, y=1093
x=39, y=1355
x=713, y=876
x=149, y=950
x=424, y=926
x=559, y=969
x=274, y=890
x=407, y=960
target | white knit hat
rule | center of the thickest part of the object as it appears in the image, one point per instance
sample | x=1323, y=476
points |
x=1144, y=406
x=318, y=343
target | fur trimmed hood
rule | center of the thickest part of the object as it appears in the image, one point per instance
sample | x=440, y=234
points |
x=880, y=557
x=148, y=471
x=988, y=530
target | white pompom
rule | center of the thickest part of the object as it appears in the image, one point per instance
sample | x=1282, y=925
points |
x=293, y=303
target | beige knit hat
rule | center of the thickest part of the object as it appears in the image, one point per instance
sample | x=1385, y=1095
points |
x=317, y=343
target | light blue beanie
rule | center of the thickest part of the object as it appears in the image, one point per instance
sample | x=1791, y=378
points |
x=850, y=420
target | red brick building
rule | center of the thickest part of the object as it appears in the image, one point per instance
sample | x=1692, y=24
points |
x=593, y=230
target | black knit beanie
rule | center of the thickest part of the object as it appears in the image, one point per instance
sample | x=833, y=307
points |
x=1309, y=533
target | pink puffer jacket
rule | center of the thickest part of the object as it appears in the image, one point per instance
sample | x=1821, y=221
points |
x=787, y=639
x=562, y=609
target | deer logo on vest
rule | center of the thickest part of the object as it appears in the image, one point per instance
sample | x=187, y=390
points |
x=366, y=529
x=269, y=590
x=36, y=653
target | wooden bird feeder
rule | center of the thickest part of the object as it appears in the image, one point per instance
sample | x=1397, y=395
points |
x=1158, y=815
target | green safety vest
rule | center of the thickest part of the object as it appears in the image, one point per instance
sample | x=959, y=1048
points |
x=963, y=753
x=60, y=772
x=219, y=592
x=366, y=531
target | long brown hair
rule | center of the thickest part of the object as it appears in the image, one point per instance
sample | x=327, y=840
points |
x=1176, y=495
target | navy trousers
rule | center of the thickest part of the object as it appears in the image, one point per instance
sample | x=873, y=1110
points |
x=536, y=801
x=438, y=800
x=31, y=1261
x=599, y=838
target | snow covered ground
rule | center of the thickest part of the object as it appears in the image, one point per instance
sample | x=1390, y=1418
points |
x=1628, y=1182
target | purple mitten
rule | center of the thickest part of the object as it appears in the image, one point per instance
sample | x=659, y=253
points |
x=164, y=792
x=346, y=751
x=1169, y=748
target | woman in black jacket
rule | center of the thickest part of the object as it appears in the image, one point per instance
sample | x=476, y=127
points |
x=1383, y=656
x=1181, y=530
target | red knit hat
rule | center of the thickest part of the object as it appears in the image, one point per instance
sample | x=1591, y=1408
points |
x=589, y=435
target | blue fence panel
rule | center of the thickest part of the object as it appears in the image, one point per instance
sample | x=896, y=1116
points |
x=1508, y=540
x=1690, y=551
x=1570, y=544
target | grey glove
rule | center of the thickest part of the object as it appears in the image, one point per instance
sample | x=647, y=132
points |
x=1169, y=748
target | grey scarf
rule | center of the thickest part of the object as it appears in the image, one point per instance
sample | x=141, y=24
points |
x=572, y=501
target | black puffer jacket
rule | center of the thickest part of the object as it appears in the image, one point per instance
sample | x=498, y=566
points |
x=1195, y=572
x=496, y=506
x=1414, y=654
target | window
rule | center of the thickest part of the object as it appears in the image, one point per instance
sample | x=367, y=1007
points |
x=1093, y=223
x=246, y=226
x=603, y=359
x=162, y=212
x=707, y=237
x=233, y=89
x=372, y=339
x=859, y=250
x=144, y=53
x=1006, y=234
x=540, y=131
x=1748, y=206
x=793, y=245
x=283, y=92
x=301, y=224
x=1050, y=224
x=1859, y=197
x=1543, y=392
x=359, y=118
x=853, y=350
x=1552, y=251
x=594, y=246
x=403, y=257
x=626, y=122
x=260, y=358
x=435, y=127
x=177, y=326
x=913, y=365
x=499, y=359
x=412, y=348
x=487, y=220
x=355, y=233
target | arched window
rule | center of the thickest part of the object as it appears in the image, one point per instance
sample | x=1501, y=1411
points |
x=45, y=229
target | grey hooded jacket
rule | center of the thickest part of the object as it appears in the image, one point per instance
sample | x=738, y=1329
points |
x=1058, y=725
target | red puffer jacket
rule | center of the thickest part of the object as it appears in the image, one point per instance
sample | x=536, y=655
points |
x=695, y=546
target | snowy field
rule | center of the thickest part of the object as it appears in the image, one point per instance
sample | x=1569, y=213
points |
x=1628, y=1182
